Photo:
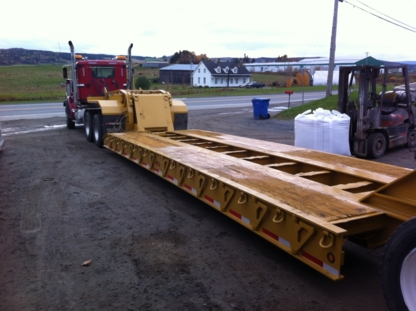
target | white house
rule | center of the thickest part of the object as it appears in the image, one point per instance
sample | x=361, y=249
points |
x=222, y=74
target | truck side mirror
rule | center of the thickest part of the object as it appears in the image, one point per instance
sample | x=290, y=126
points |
x=65, y=72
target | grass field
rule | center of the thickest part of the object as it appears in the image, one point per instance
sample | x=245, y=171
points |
x=31, y=83
x=41, y=83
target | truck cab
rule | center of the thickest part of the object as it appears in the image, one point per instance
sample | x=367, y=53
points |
x=94, y=76
x=91, y=78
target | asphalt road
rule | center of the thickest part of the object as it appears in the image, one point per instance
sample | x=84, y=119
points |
x=47, y=110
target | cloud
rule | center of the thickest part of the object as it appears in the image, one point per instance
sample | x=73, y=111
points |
x=218, y=28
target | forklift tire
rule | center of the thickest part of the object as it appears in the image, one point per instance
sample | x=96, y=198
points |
x=398, y=268
x=69, y=123
x=411, y=139
x=98, y=130
x=377, y=145
x=88, y=126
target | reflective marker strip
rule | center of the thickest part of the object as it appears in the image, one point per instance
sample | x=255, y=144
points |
x=235, y=214
x=119, y=151
x=276, y=237
x=187, y=187
x=211, y=200
x=320, y=263
x=135, y=160
x=158, y=171
x=126, y=155
x=146, y=165
x=173, y=179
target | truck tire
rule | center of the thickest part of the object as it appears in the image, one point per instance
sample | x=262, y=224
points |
x=69, y=123
x=98, y=129
x=398, y=268
x=377, y=145
x=88, y=126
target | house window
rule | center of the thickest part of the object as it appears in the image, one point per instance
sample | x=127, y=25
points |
x=244, y=80
x=199, y=80
x=205, y=70
x=216, y=80
x=199, y=70
x=231, y=80
x=222, y=80
x=204, y=80
x=236, y=80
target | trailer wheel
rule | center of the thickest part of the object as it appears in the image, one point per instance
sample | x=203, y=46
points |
x=398, y=268
x=88, y=126
x=377, y=145
x=98, y=129
x=69, y=123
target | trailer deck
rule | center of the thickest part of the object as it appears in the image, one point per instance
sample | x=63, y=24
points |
x=306, y=202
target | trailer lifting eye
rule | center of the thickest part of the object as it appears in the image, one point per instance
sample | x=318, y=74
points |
x=279, y=217
x=191, y=173
x=326, y=236
x=242, y=199
x=213, y=184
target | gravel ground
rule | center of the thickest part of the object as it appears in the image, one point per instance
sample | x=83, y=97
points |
x=151, y=245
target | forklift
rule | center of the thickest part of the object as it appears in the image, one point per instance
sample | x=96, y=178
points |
x=379, y=120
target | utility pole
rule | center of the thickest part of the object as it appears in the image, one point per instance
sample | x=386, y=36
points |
x=332, y=49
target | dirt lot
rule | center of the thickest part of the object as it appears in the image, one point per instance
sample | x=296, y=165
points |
x=152, y=246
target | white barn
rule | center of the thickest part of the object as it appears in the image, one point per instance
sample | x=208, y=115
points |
x=222, y=74
x=311, y=64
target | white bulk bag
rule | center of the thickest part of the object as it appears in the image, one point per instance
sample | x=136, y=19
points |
x=323, y=130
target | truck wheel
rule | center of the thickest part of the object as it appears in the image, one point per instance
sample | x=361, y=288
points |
x=69, y=123
x=98, y=129
x=377, y=145
x=88, y=126
x=398, y=268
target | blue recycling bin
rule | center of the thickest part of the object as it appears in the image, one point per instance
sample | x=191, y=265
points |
x=260, y=108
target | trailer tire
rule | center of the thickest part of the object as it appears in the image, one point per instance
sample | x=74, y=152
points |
x=69, y=123
x=377, y=145
x=398, y=268
x=98, y=130
x=88, y=126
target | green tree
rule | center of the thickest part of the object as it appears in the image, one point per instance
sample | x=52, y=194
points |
x=283, y=58
x=246, y=59
x=185, y=57
x=142, y=82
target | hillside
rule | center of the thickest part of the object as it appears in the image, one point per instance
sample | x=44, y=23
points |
x=18, y=56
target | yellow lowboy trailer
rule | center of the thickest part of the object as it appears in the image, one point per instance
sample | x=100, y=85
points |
x=303, y=201
x=306, y=202
x=287, y=195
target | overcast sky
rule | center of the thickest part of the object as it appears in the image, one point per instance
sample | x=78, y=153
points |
x=231, y=28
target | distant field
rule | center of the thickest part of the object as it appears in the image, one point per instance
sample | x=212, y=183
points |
x=31, y=83
x=42, y=84
x=35, y=83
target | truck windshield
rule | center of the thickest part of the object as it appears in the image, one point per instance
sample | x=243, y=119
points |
x=103, y=72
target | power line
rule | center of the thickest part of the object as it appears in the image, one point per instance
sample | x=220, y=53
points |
x=355, y=6
x=386, y=15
